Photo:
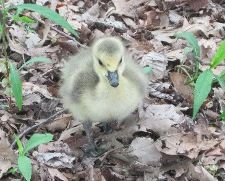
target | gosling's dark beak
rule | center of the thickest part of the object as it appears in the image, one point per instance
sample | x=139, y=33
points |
x=113, y=78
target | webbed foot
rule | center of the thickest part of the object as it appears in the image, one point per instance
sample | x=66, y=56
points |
x=90, y=149
x=108, y=127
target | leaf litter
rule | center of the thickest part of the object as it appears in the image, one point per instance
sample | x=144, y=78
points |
x=159, y=141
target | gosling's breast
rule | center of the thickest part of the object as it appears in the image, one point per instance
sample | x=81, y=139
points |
x=110, y=103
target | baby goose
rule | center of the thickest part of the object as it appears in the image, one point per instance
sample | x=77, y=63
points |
x=102, y=83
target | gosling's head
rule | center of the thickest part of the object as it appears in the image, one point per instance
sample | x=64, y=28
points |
x=108, y=57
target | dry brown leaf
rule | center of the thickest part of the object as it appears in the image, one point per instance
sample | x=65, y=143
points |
x=219, y=94
x=55, y=154
x=32, y=98
x=18, y=32
x=58, y=160
x=32, y=40
x=164, y=20
x=208, y=49
x=196, y=5
x=160, y=118
x=200, y=173
x=181, y=88
x=152, y=20
x=184, y=143
x=175, y=55
x=145, y=151
x=7, y=156
x=129, y=22
x=5, y=150
x=158, y=63
x=175, y=18
x=56, y=173
x=5, y=165
x=60, y=123
x=30, y=88
x=14, y=46
x=66, y=134
x=127, y=8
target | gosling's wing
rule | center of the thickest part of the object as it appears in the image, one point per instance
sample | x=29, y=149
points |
x=78, y=76
x=76, y=63
x=86, y=81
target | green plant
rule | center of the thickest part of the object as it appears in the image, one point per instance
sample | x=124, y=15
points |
x=24, y=162
x=192, y=48
x=147, y=70
x=222, y=116
x=11, y=81
x=203, y=84
x=15, y=81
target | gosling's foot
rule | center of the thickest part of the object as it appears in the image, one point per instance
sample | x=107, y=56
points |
x=107, y=127
x=91, y=150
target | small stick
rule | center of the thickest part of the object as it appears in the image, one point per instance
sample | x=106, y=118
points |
x=46, y=121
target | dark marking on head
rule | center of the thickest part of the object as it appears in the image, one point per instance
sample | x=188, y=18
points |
x=108, y=47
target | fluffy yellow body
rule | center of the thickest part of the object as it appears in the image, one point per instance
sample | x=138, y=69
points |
x=87, y=93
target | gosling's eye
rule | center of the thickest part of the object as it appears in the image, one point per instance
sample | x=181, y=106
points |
x=120, y=61
x=100, y=62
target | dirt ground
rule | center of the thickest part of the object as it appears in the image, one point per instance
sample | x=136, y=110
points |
x=158, y=142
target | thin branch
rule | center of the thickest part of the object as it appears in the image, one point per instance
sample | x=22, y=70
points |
x=4, y=50
x=38, y=125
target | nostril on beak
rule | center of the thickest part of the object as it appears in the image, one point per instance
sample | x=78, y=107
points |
x=113, y=78
x=115, y=84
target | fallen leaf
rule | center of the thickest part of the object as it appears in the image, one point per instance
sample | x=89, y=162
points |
x=181, y=88
x=127, y=8
x=58, y=160
x=7, y=156
x=144, y=150
x=196, y=5
x=56, y=173
x=158, y=63
x=160, y=118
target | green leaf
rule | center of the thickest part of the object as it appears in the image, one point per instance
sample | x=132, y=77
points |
x=13, y=170
x=20, y=145
x=221, y=81
x=193, y=42
x=1, y=28
x=147, y=69
x=219, y=56
x=202, y=89
x=222, y=116
x=24, y=165
x=222, y=74
x=16, y=85
x=187, y=50
x=37, y=139
x=23, y=19
x=48, y=13
x=35, y=60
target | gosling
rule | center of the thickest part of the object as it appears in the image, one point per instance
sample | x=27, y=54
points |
x=102, y=83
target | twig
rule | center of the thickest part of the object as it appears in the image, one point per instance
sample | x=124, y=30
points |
x=107, y=153
x=38, y=125
x=68, y=36
x=47, y=24
x=4, y=49
x=62, y=33
x=91, y=172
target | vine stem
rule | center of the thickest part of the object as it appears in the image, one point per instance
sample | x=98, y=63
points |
x=4, y=17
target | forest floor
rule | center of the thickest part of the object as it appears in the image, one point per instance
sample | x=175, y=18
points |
x=160, y=141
